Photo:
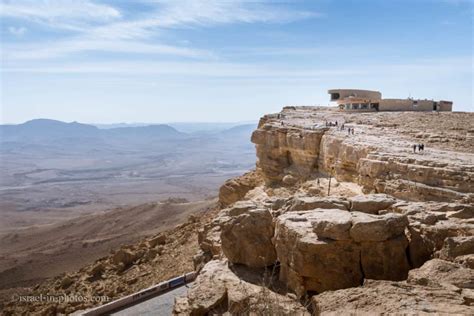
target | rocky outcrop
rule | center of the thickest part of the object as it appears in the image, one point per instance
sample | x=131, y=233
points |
x=437, y=287
x=246, y=238
x=441, y=273
x=304, y=203
x=397, y=298
x=235, y=189
x=285, y=150
x=371, y=203
x=457, y=246
x=298, y=143
x=322, y=250
x=219, y=290
x=405, y=246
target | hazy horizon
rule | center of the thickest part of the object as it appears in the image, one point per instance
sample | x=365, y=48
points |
x=140, y=123
x=235, y=60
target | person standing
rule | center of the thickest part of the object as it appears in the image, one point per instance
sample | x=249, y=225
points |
x=414, y=148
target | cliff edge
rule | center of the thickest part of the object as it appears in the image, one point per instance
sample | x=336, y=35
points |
x=344, y=213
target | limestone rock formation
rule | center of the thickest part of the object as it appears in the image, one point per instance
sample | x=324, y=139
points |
x=308, y=263
x=388, y=297
x=438, y=273
x=437, y=287
x=219, y=290
x=371, y=203
x=298, y=143
x=367, y=227
x=457, y=246
x=304, y=203
x=357, y=222
x=246, y=238
x=235, y=189
x=322, y=250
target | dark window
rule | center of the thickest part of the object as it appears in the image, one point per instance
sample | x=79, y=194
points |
x=335, y=96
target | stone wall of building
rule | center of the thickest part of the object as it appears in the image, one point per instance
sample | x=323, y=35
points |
x=405, y=105
x=346, y=93
x=368, y=100
x=445, y=106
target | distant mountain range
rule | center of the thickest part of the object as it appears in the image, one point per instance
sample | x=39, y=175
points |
x=47, y=131
x=186, y=127
x=41, y=130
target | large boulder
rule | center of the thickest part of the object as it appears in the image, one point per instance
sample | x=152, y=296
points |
x=437, y=272
x=305, y=203
x=371, y=203
x=394, y=298
x=457, y=246
x=309, y=263
x=332, y=224
x=366, y=227
x=247, y=238
x=321, y=250
x=220, y=291
x=123, y=257
x=235, y=189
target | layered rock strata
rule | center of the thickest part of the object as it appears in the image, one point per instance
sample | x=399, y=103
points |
x=298, y=144
x=406, y=245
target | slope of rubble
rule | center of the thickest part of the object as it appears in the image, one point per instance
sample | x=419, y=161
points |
x=126, y=270
x=333, y=222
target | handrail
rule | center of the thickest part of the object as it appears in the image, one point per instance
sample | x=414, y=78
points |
x=131, y=299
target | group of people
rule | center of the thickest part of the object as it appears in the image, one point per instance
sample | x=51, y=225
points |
x=349, y=130
x=420, y=147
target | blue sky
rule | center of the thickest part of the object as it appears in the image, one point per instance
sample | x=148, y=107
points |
x=101, y=61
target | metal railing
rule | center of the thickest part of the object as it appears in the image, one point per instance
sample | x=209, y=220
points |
x=132, y=299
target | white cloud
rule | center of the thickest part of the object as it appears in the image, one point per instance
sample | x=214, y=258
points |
x=18, y=31
x=418, y=68
x=71, y=15
x=193, y=13
x=57, y=9
x=100, y=27
x=202, y=12
x=64, y=48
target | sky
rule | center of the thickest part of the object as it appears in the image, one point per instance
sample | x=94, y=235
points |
x=155, y=61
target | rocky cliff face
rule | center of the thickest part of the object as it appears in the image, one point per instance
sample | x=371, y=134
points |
x=296, y=145
x=344, y=221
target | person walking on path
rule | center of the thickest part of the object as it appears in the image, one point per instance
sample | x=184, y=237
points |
x=414, y=148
